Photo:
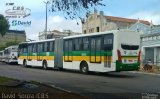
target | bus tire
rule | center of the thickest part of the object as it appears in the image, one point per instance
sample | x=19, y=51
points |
x=45, y=65
x=84, y=68
x=25, y=63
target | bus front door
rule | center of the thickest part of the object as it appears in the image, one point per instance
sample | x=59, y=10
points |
x=95, y=50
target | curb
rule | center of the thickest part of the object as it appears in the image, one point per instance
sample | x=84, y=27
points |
x=138, y=72
x=53, y=86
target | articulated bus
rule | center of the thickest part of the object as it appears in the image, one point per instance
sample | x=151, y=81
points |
x=117, y=50
x=11, y=54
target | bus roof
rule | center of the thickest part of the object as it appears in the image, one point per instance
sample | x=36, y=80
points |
x=2, y=51
x=98, y=33
x=37, y=41
x=82, y=35
x=13, y=46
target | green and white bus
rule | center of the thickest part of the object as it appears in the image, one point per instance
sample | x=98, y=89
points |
x=11, y=54
x=117, y=50
x=2, y=56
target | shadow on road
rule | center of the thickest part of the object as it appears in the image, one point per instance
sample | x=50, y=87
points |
x=109, y=74
x=4, y=63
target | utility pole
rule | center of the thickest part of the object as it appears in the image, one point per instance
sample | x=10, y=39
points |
x=45, y=30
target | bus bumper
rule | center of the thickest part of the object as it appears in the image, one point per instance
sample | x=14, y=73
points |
x=127, y=67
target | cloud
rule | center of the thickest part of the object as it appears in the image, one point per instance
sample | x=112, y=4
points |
x=38, y=19
x=153, y=16
x=54, y=23
x=56, y=19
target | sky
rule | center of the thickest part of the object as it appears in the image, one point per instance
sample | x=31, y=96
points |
x=143, y=9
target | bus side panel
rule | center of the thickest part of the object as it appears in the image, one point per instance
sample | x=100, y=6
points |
x=20, y=61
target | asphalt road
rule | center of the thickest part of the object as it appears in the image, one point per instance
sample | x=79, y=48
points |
x=94, y=85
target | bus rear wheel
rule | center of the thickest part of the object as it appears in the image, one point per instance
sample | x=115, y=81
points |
x=45, y=65
x=84, y=68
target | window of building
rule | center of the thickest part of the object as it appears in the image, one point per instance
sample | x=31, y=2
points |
x=154, y=37
x=97, y=29
x=150, y=38
x=84, y=31
x=91, y=30
x=158, y=37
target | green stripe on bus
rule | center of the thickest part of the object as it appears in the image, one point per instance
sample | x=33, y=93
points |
x=126, y=67
x=88, y=53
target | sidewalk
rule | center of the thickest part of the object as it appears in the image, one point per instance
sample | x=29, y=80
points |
x=15, y=89
x=147, y=73
x=152, y=72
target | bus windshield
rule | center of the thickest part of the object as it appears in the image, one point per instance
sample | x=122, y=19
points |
x=129, y=47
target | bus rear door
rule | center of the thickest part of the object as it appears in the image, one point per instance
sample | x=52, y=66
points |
x=95, y=50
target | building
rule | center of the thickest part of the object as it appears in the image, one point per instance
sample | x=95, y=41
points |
x=99, y=23
x=13, y=36
x=150, y=41
x=56, y=34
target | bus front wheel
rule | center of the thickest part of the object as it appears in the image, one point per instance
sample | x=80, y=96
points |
x=84, y=68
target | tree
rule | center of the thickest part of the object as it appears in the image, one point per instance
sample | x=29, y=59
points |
x=4, y=25
x=12, y=43
x=75, y=8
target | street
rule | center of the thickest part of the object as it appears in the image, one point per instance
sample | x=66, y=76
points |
x=94, y=85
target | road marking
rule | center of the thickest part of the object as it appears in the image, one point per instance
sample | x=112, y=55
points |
x=60, y=88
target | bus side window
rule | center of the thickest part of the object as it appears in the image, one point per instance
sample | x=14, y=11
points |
x=25, y=48
x=40, y=47
x=34, y=48
x=48, y=46
x=45, y=46
x=108, y=42
x=76, y=45
x=80, y=44
x=51, y=46
x=85, y=43
x=30, y=48
x=66, y=46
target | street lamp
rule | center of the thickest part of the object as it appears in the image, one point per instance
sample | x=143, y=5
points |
x=46, y=19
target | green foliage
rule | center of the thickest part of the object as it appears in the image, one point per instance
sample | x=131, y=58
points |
x=75, y=8
x=2, y=48
x=4, y=25
x=4, y=80
x=8, y=44
x=11, y=43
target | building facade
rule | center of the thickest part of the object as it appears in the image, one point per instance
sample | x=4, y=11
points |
x=56, y=34
x=150, y=41
x=99, y=23
x=13, y=36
